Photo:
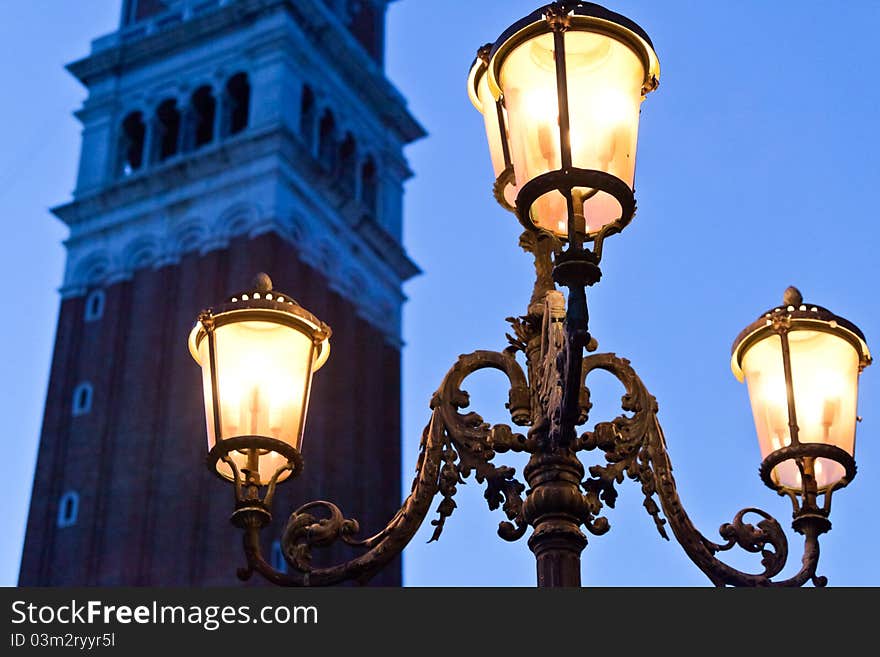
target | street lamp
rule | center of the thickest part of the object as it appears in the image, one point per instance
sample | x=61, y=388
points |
x=571, y=78
x=257, y=352
x=801, y=363
x=560, y=93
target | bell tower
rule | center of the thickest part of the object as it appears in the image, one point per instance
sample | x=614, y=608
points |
x=220, y=138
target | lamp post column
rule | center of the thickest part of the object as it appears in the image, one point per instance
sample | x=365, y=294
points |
x=555, y=506
x=556, y=509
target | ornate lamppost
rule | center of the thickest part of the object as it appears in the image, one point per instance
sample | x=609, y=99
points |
x=560, y=93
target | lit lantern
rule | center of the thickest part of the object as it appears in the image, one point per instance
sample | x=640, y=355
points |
x=572, y=77
x=258, y=352
x=801, y=364
x=494, y=116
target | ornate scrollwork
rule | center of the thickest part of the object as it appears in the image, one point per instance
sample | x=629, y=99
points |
x=635, y=446
x=542, y=246
x=767, y=534
x=551, y=401
x=454, y=446
x=622, y=441
x=472, y=444
x=756, y=539
x=305, y=531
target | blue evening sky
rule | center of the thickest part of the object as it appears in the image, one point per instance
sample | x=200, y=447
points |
x=758, y=163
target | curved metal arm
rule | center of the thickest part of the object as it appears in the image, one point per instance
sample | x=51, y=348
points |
x=767, y=537
x=635, y=446
x=303, y=530
x=453, y=446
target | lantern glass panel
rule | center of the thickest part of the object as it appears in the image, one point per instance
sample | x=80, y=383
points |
x=605, y=80
x=264, y=373
x=825, y=370
x=494, y=131
x=528, y=82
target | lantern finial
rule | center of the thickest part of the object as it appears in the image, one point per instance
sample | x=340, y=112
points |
x=792, y=296
x=262, y=282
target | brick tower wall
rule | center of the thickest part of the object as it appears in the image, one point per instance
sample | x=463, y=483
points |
x=150, y=512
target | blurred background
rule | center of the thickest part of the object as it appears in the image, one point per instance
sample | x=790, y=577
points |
x=757, y=161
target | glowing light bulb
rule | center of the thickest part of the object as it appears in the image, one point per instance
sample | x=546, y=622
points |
x=543, y=113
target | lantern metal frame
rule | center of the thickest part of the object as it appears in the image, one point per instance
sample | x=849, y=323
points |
x=259, y=303
x=480, y=68
x=794, y=315
x=549, y=396
x=558, y=18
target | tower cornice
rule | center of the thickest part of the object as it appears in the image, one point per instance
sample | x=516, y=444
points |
x=140, y=44
x=120, y=229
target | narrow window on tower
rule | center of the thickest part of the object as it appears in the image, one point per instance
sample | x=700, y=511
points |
x=327, y=141
x=130, y=151
x=68, y=508
x=82, y=398
x=370, y=186
x=348, y=166
x=203, y=107
x=168, y=127
x=307, y=117
x=94, y=307
x=238, y=96
x=278, y=562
